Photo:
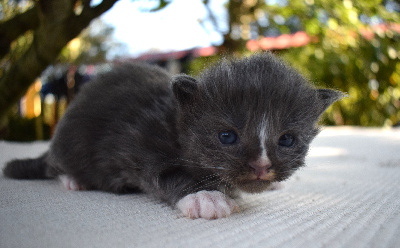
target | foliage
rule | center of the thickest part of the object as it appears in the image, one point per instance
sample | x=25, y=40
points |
x=355, y=48
x=92, y=46
x=11, y=53
x=357, y=52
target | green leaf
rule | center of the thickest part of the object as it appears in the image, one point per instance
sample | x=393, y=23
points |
x=162, y=4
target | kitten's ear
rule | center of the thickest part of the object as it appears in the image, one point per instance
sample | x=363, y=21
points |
x=327, y=97
x=184, y=87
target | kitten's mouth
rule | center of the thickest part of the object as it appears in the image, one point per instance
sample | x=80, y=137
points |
x=268, y=176
x=257, y=183
x=254, y=186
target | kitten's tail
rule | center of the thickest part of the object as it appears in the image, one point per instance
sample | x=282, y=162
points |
x=27, y=168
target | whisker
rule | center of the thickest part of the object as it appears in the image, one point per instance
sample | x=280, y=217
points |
x=193, y=187
x=200, y=165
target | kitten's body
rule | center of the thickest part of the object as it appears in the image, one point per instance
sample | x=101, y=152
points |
x=241, y=126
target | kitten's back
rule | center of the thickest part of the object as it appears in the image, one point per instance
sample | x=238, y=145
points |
x=116, y=123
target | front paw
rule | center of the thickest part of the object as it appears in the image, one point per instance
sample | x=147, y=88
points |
x=207, y=205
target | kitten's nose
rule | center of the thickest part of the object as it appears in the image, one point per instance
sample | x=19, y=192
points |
x=260, y=166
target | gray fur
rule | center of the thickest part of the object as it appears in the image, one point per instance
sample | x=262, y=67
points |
x=132, y=129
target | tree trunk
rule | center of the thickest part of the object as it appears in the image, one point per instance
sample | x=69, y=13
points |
x=58, y=24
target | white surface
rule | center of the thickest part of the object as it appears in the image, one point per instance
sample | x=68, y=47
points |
x=347, y=196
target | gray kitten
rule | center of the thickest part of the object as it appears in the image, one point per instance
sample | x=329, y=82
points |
x=241, y=125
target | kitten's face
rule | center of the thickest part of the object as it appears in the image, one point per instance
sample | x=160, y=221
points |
x=249, y=122
x=248, y=151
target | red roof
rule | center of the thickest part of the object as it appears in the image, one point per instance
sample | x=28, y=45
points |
x=283, y=41
x=301, y=38
x=369, y=32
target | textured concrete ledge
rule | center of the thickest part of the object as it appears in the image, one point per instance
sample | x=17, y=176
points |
x=347, y=196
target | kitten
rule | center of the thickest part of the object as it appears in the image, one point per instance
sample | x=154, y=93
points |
x=240, y=126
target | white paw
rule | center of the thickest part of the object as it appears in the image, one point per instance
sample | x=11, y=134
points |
x=69, y=183
x=207, y=205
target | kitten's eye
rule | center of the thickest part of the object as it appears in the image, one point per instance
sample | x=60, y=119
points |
x=227, y=137
x=286, y=140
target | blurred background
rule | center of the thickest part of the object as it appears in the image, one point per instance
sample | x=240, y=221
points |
x=49, y=49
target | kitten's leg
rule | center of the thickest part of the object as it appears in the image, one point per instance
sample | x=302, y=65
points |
x=69, y=183
x=173, y=186
x=207, y=205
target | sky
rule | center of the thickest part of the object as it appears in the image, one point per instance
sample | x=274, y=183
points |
x=176, y=27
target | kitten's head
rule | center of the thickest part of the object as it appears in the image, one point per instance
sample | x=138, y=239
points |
x=249, y=121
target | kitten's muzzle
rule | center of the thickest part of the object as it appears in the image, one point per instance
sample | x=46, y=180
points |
x=261, y=169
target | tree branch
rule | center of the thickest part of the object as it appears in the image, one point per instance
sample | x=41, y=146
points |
x=16, y=26
x=91, y=13
x=58, y=25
